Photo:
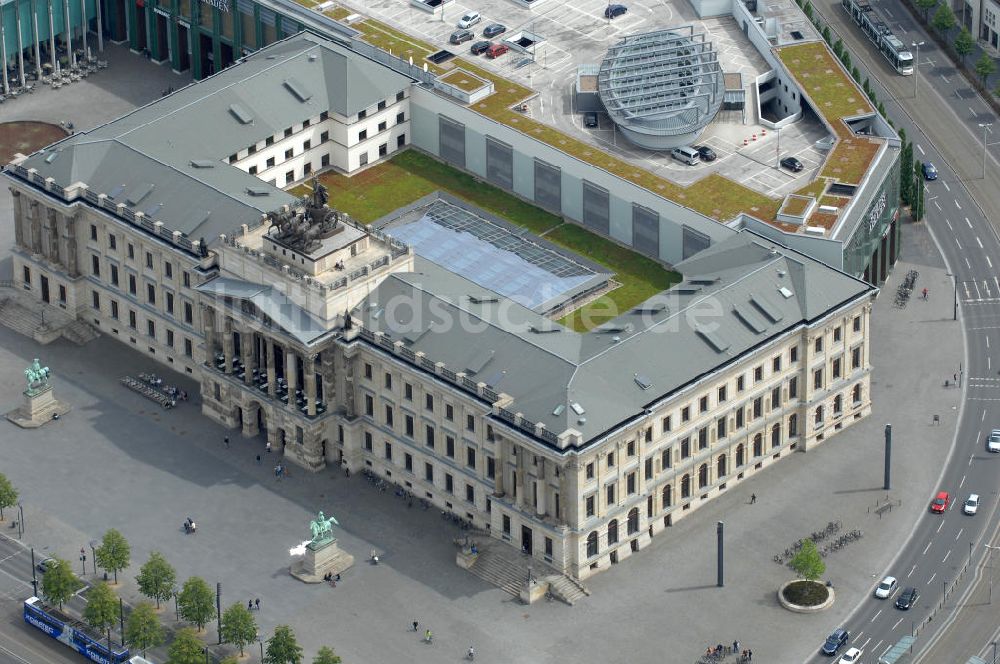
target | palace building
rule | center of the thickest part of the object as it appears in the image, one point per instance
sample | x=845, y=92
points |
x=343, y=344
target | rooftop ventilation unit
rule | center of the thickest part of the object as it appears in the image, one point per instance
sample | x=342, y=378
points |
x=241, y=113
x=543, y=329
x=642, y=381
x=51, y=158
x=715, y=341
x=136, y=195
x=614, y=328
x=653, y=309
x=258, y=191
x=483, y=299
x=559, y=410
x=300, y=91
x=203, y=163
x=766, y=308
x=786, y=293
x=577, y=408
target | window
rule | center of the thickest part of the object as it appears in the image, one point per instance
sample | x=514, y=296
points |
x=369, y=406
x=818, y=345
x=776, y=398
x=758, y=407
x=793, y=354
x=170, y=338
x=610, y=493
x=400, y=96
x=252, y=150
x=269, y=141
x=703, y=404
x=470, y=423
x=131, y=284
x=703, y=476
x=95, y=266
x=388, y=451
x=369, y=442
x=665, y=424
x=96, y=299
x=590, y=470
x=470, y=457
x=383, y=149
x=685, y=448
x=630, y=484
x=269, y=163
x=131, y=319
x=449, y=412
x=407, y=391
x=776, y=364
x=470, y=493
x=388, y=381
x=362, y=115
x=793, y=387
x=324, y=160
x=836, y=334
x=253, y=170
x=648, y=469
x=188, y=313
x=429, y=402
x=702, y=438
x=449, y=447
x=740, y=383
x=114, y=275
x=836, y=368
x=381, y=105
x=131, y=251
x=449, y=483
x=93, y=232
x=168, y=270
x=288, y=132
x=589, y=501
x=401, y=140
x=685, y=414
x=188, y=347
x=151, y=293
x=114, y=309
x=819, y=415
x=758, y=374
x=739, y=418
x=490, y=467
x=388, y=416
x=428, y=472
x=363, y=134
x=686, y=486
x=649, y=435
x=324, y=137
x=400, y=118
x=112, y=242
x=187, y=280
x=666, y=458
x=611, y=459
x=856, y=395
x=630, y=448
x=667, y=496
x=720, y=427
x=289, y=176
x=363, y=159
x=408, y=425
x=382, y=125
x=857, y=323
x=838, y=405
x=793, y=425
x=368, y=371
x=722, y=394
x=289, y=153
x=150, y=328
x=306, y=145
x=506, y=524
x=856, y=358
x=408, y=462
x=818, y=379
x=149, y=260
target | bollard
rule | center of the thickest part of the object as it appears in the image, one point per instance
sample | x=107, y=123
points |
x=755, y=137
x=745, y=142
x=763, y=132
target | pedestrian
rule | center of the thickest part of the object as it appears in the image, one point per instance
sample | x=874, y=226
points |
x=348, y=471
x=749, y=655
x=258, y=459
x=925, y=293
x=226, y=442
x=249, y=605
x=256, y=603
x=415, y=623
x=277, y=472
x=736, y=646
x=955, y=376
x=753, y=498
x=268, y=447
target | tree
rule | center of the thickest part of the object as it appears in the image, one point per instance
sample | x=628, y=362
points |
x=196, y=602
x=101, y=611
x=238, y=626
x=855, y=73
x=807, y=562
x=926, y=6
x=985, y=67
x=156, y=578
x=186, y=648
x=326, y=656
x=944, y=19
x=59, y=583
x=838, y=47
x=917, y=206
x=808, y=10
x=826, y=34
x=143, y=629
x=282, y=648
x=964, y=44
x=113, y=554
x=8, y=494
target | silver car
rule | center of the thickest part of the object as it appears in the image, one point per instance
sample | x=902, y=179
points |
x=993, y=442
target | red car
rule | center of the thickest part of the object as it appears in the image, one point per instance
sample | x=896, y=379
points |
x=940, y=503
x=496, y=50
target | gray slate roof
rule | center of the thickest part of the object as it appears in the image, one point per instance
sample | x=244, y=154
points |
x=156, y=145
x=728, y=304
x=290, y=317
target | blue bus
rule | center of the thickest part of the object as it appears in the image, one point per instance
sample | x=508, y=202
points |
x=71, y=633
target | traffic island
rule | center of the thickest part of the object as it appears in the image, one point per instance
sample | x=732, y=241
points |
x=804, y=596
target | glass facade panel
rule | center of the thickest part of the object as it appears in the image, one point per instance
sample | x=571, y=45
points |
x=452, y=141
x=499, y=163
x=646, y=231
x=874, y=224
x=596, y=208
x=227, y=23
x=249, y=29
x=548, y=186
x=694, y=242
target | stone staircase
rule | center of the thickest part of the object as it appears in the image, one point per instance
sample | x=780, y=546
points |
x=79, y=333
x=506, y=568
x=18, y=318
x=41, y=322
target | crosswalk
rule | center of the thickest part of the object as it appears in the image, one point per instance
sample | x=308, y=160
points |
x=979, y=291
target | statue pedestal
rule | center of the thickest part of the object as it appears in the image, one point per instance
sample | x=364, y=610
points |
x=321, y=558
x=40, y=407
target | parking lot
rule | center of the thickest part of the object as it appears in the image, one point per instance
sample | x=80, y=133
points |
x=578, y=33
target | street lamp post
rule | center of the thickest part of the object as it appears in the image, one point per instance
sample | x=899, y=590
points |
x=954, y=302
x=20, y=520
x=916, y=65
x=989, y=563
x=994, y=644
x=985, y=126
x=83, y=561
x=260, y=642
x=93, y=555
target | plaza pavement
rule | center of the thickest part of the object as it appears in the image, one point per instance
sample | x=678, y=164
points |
x=118, y=461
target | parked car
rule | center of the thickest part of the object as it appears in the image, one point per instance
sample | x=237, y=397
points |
x=707, y=153
x=971, y=505
x=886, y=588
x=496, y=50
x=993, y=442
x=614, y=11
x=44, y=564
x=930, y=171
x=494, y=29
x=590, y=119
x=940, y=502
x=835, y=641
x=792, y=164
x=461, y=36
x=852, y=656
x=907, y=598
x=479, y=47
x=469, y=20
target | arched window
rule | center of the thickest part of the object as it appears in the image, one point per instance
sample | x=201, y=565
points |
x=775, y=436
x=856, y=394
x=758, y=445
x=686, y=486
x=739, y=455
x=703, y=476
x=633, y=521
x=819, y=415
x=793, y=425
x=668, y=496
x=720, y=466
x=592, y=544
x=838, y=404
x=613, y=531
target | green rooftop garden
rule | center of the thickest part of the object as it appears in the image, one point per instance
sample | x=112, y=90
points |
x=463, y=80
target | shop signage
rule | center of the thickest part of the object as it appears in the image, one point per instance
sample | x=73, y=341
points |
x=876, y=212
x=221, y=5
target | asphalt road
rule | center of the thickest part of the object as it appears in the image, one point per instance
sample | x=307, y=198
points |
x=936, y=558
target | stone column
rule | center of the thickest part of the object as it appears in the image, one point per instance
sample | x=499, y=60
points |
x=227, y=344
x=542, y=488
x=36, y=228
x=246, y=355
x=208, y=323
x=291, y=372
x=519, y=471
x=18, y=217
x=499, y=480
x=309, y=383
x=328, y=371
x=569, y=480
x=272, y=378
x=72, y=265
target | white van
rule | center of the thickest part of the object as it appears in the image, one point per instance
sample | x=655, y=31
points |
x=686, y=154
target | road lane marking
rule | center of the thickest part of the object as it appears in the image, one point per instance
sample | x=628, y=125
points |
x=897, y=624
x=921, y=149
x=974, y=115
x=912, y=569
x=887, y=648
x=932, y=578
x=876, y=615
x=936, y=205
x=968, y=264
x=988, y=261
x=959, y=533
x=946, y=185
x=961, y=483
x=956, y=240
x=969, y=223
x=864, y=646
x=989, y=363
x=950, y=228
x=987, y=345
x=946, y=556
x=971, y=457
x=940, y=526
x=957, y=205
x=980, y=242
x=925, y=548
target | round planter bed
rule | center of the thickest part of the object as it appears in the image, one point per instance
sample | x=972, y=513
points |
x=802, y=596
